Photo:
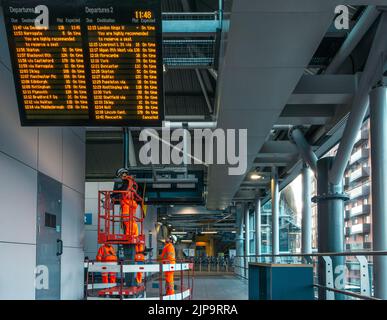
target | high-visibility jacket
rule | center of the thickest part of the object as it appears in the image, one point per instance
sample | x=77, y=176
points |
x=128, y=204
x=168, y=254
x=106, y=254
x=129, y=207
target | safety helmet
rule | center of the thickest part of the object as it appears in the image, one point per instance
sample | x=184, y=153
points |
x=173, y=238
x=121, y=171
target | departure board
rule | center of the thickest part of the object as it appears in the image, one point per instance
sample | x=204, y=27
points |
x=87, y=63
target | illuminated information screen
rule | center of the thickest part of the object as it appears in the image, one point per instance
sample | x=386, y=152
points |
x=87, y=63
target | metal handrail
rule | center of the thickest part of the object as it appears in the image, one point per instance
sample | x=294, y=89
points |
x=352, y=253
x=348, y=293
x=244, y=266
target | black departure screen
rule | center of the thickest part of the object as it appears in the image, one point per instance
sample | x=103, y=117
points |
x=99, y=63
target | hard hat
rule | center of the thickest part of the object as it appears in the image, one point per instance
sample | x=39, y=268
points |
x=121, y=171
x=173, y=238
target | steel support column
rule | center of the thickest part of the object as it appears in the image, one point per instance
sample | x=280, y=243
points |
x=306, y=151
x=306, y=224
x=330, y=221
x=378, y=124
x=275, y=212
x=258, y=248
x=247, y=234
x=239, y=236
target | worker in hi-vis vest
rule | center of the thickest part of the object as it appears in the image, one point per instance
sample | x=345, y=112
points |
x=168, y=256
x=106, y=253
x=128, y=213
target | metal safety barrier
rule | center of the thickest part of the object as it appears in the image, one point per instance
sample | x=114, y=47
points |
x=351, y=279
x=213, y=264
x=152, y=270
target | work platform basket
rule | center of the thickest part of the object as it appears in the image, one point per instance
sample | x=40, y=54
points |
x=111, y=220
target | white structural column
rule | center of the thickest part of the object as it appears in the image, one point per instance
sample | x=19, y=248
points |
x=247, y=237
x=378, y=113
x=239, y=236
x=306, y=224
x=275, y=212
x=247, y=230
x=258, y=249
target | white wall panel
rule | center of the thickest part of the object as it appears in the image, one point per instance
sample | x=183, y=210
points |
x=105, y=186
x=19, y=142
x=72, y=218
x=91, y=189
x=18, y=198
x=91, y=206
x=91, y=245
x=50, y=152
x=80, y=132
x=150, y=225
x=17, y=271
x=73, y=161
x=4, y=52
x=72, y=274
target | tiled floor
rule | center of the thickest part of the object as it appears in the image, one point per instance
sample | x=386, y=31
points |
x=226, y=287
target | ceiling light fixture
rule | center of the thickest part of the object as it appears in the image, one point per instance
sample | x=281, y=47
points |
x=255, y=176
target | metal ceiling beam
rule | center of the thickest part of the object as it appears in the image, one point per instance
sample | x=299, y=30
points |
x=326, y=84
x=278, y=147
x=204, y=90
x=258, y=78
x=310, y=110
x=315, y=98
x=304, y=120
x=262, y=158
x=267, y=163
x=324, y=89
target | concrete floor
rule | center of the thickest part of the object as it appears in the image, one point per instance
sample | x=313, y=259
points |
x=225, y=287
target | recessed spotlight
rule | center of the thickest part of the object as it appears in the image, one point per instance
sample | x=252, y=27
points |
x=255, y=176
